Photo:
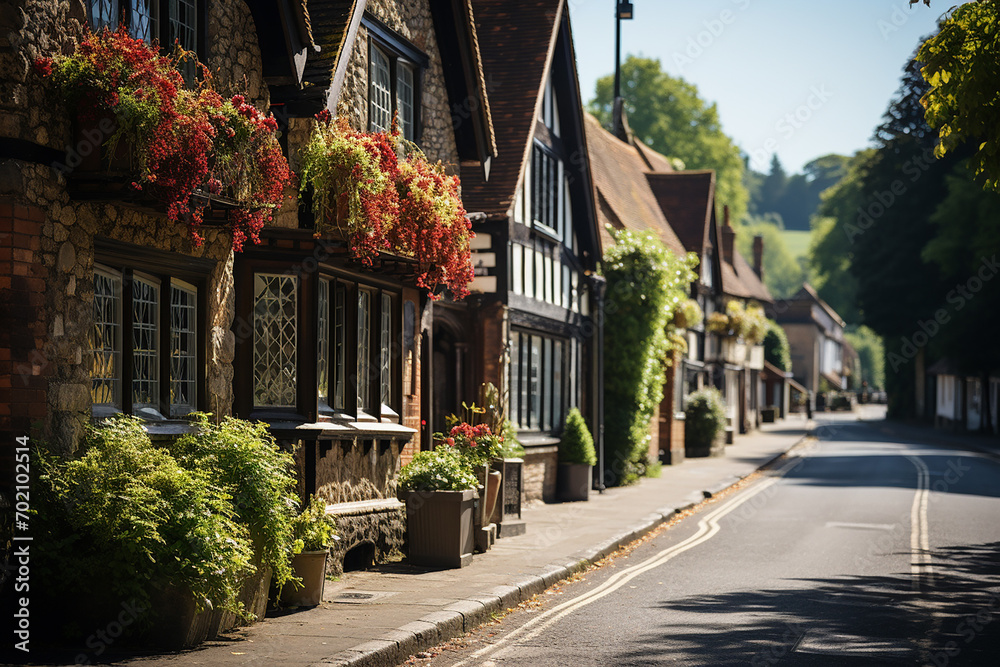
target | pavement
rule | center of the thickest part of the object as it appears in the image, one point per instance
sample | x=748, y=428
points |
x=383, y=615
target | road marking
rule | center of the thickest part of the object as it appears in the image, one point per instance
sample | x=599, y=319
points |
x=861, y=526
x=708, y=527
x=920, y=548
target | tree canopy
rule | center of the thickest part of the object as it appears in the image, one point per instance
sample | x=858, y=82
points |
x=782, y=273
x=960, y=64
x=669, y=116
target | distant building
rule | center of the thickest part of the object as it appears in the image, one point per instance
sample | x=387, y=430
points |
x=816, y=337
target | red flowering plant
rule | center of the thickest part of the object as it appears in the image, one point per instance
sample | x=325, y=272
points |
x=180, y=141
x=479, y=432
x=384, y=195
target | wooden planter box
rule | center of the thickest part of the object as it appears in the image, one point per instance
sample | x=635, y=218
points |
x=439, y=527
x=767, y=415
x=573, y=481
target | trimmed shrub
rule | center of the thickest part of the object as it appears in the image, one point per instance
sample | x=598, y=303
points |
x=705, y=417
x=776, y=348
x=577, y=445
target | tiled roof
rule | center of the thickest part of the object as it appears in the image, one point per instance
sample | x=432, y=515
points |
x=747, y=284
x=807, y=292
x=624, y=196
x=687, y=199
x=516, y=38
x=329, y=21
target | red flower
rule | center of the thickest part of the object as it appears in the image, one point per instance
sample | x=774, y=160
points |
x=43, y=66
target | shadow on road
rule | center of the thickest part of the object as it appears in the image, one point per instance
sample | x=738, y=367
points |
x=859, y=620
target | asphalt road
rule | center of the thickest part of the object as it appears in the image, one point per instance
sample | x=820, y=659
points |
x=861, y=548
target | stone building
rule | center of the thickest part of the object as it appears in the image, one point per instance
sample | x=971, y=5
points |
x=532, y=327
x=108, y=308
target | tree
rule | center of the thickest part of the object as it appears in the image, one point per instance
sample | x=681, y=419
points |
x=776, y=348
x=782, y=274
x=668, y=115
x=773, y=187
x=871, y=355
x=960, y=66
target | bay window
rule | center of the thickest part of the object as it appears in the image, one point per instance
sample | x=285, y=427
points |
x=539, y=395
x=145, y=344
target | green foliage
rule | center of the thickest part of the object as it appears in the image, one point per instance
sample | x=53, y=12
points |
x=782, y=273
x=871, y=355
x=704, y=417
x=776, y=348
x=313, y=529
x=646, y=284
x=668, y=115
x=576, y=444
x=511, y=447
x=126, y=519
x=242, y=459
x=960, y=65
x=442, y=469
x=689, y=315
x=794, y=199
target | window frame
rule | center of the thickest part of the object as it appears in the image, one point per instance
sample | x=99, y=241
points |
x=400, y=53
x=161, y=21
x=551, y=413
x=552, y=207
x=118, y=260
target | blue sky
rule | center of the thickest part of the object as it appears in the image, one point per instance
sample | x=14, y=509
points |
x=802, y=79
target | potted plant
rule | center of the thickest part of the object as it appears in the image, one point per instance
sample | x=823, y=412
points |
x=704, y=422
x=313, y=531
x=576, y=459
x=439, y=490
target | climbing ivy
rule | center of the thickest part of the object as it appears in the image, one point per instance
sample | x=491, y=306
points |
x=646, y=284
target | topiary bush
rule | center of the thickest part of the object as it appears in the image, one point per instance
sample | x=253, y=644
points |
x=705, y=418
x=577, y=445
x=776, y=348
x=441, y=469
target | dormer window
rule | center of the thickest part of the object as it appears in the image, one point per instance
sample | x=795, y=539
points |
x=394, y=67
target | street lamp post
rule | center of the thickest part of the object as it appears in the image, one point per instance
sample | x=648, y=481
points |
x=623, y=10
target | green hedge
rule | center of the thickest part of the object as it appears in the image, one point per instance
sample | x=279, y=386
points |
x=704, y=417
x=646, y=283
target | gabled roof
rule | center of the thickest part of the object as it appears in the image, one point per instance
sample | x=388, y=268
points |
x=808, y=292
x=517, y=39
x=687, y=198
x=625, y=199
x=750, y=280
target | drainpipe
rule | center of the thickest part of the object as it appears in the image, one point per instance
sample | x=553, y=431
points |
x=599, y=285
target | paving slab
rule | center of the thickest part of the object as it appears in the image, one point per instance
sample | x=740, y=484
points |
x=412, y=608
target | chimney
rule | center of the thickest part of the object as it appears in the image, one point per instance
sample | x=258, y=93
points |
x=758, y=256
x=620, y=121
x=728, y=237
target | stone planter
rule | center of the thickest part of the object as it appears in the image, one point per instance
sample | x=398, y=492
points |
x=310, y=566
x=767, y=415
x=439, y=527
x=507, y=513
x=573, y=481
x=716, y=447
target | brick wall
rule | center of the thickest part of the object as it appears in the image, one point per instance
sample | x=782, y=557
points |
x=24, y=370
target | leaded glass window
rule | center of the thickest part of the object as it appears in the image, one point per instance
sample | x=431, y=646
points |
x=515, y=377
x=275, y=340
x=183, y=349
x=404, y=100
x=385, y=351
x=143, y=23
x=339, y=348
x=323, y=344
x=145, y=347
x=183, y=23
x=379, y=92
x=364, y=346
x=542, y=380
x=105, y=339
x=103, y=14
